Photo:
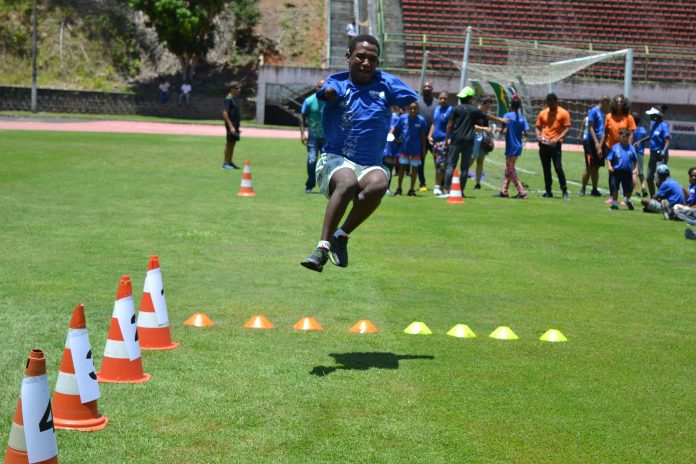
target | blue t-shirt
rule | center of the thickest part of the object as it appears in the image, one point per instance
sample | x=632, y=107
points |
x=595, y=118
x=411, y=130
x=638, y=134
x=672, y=191
x=513, y=138
x=392, y=148
x=440, y=118
x=658, y=134
x=356, y=122
x=621, y=158
x=691, y=199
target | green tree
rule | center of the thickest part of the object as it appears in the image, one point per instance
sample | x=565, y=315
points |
x=185, y=27
x=246, y=15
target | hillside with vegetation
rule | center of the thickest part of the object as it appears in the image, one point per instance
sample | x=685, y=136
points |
x=109, y=45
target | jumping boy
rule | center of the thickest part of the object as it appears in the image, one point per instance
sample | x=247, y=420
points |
x=356, y=122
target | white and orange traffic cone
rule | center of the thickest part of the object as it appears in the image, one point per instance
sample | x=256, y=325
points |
x=32, y=437
x=153, y=320
x=122, y=362
x=247, y=187
x=455, y=193
x=77, y=389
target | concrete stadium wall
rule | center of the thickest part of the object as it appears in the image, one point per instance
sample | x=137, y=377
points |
x=73, y=101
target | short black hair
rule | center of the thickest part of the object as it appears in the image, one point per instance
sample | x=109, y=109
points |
x=552, y=97
x=636, y=117
x=623, y=132
x=363, y=38
x=691, y=169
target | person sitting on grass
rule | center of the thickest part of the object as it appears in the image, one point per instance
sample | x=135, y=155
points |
x=621, y=163
x=669, y=193
x=356, y=120
x=687, y=212
x=411, y=129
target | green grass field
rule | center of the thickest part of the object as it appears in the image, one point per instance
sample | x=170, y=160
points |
x=80, y=210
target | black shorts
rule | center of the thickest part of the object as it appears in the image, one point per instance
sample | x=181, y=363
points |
x=623, y=179
x=591, y=156
x=232, y=136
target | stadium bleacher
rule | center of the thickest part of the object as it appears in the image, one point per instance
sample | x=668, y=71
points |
x=662, y=33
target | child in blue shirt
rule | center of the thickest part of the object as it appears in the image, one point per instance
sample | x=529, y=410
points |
x=356, y=119
x=659, y=137
x=390, y=155
x=411, y=129
x=515, y=129
x=639, y=136
x=621, y=162
x=436, y=137
x=669, y=194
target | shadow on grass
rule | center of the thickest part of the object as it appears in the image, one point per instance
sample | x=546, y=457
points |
x=364, y=361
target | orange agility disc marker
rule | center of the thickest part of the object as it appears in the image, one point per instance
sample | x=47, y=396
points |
x=307, y=323
x=199, y=320
x=258, y=322
x=363, y=326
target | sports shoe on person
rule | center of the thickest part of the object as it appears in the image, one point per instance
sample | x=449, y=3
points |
x=645, y=193
x=388, y=192
x=609, y=201
x=566, y=196
x=689, y=234
x=520, y=196
x=547, y=195
x=443, y=195
x=501, y=195
x=339, y=250
x=595, y=193
x=666, y=209
x=477, y=187
x=229, y=166
x=437, y=191
x=614, y=206
x=629, y=203
x=308, y=191
x=423, y=188
x=398, y=192
x=316, y=260
x=581, y=192
x=411, y=193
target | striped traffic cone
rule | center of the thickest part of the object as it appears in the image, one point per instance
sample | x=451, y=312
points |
x=455, y=193
x=247, y=188
x=153, y=321
x=77, y=389
x=122, y=362
x=32, y=437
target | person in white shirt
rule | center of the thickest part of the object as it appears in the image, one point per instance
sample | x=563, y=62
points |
x=185, y=94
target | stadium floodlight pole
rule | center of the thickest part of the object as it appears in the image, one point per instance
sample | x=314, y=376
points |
x=33, y=58
x=423, y=68
x=628, y=74
x=465, y=58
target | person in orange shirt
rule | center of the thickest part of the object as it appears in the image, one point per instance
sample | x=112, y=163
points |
x=619, y=118
x=552, y=125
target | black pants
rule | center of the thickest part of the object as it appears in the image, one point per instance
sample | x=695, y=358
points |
x=547, y=154
x=623, y=179
x=465, y=149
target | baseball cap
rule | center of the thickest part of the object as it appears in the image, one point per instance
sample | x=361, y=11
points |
x=662, y=170
x=653, y=111
x=466, y=92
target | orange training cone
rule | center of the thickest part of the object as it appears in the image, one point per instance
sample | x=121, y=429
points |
x=363, y=326
x=455, y=193
x=307, y=323
x=246, y=189
x=122, y=362
x=199, y=320
x=258, y=322
x=153, y=321
x=77, y=389
x=32, y=437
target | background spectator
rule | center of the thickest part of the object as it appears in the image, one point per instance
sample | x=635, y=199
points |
x=552, y=125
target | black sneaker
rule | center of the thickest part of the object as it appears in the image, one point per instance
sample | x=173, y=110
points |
x=316, y=260
x=645, y=193
x=629, y=203
x=614, y=206
x=566, y=196
x=398, y=192
x=595, y=193
x=501, y=195
x=520, y=196
x=690, y=234
x=411, y=193
x=477, y=187
x=339, y=251
x=547, y=195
